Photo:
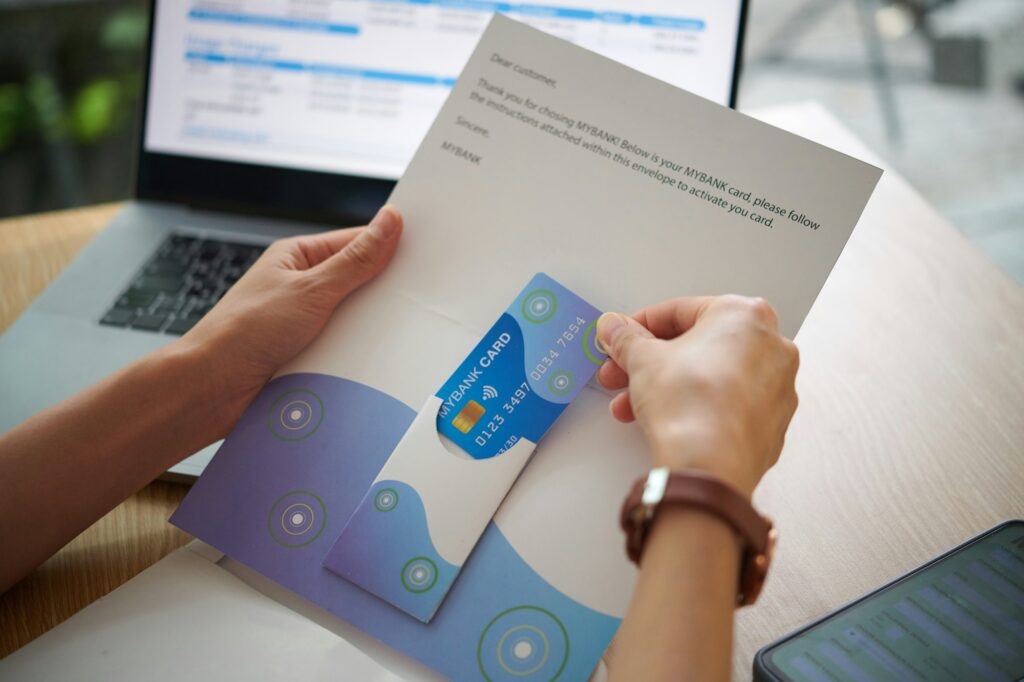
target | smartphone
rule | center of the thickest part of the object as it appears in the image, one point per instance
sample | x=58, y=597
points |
x=958, y=617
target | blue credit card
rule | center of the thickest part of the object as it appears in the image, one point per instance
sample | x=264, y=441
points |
x=524, y=372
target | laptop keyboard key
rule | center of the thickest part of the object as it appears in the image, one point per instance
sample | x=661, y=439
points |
x=182, y=324
x=180, y=283
x=137, y=298
x=150, y=323
x=118, y=317
x=168, y=284
x=172, y=267
x=170, y=305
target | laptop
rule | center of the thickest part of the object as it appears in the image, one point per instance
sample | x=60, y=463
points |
x=263, y=119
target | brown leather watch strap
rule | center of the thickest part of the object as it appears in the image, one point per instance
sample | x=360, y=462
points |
x=698, y=489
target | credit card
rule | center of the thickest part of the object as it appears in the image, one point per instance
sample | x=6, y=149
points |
x=524, y=372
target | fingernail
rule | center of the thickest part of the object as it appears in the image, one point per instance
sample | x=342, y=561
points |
x=609, y=326
x=385, y=224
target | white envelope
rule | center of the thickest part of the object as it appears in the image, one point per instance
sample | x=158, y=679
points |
x=475, y=233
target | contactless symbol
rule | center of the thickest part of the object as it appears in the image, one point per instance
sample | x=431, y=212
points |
x=524, y=642
x=561, y=382
x=490, y=392
x=386, y=500
x=419, y=574
x=296, y=415
x=592, y=345
x=539, y=305
x=297, y=518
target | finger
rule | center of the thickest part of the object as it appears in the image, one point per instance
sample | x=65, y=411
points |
x=621, y=408
x=611, y=376
x=621, y=335
x=758, y=309
x=365, y=255
x=669, y=319
x=749, y=309
x=316, y=248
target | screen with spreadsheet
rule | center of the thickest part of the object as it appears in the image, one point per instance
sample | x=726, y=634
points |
x=351, y=86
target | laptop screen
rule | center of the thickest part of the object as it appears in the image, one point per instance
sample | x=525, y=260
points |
x=351, y=86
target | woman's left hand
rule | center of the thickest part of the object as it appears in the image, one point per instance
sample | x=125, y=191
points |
x=279, y=306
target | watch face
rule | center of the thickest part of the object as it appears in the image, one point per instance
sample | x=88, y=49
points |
x=654, y=487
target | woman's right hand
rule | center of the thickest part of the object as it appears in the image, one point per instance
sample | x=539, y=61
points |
x=709, y=379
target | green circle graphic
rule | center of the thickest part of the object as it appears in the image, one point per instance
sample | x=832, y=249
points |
x=543, y=660
x=274, y=409
x=526, y=607
x=530, y=316
x=561, y=373
x=417, y=589
x=385, y=507
x=591, y=333
x=273, y=508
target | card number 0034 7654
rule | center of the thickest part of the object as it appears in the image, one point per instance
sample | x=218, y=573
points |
x=548, y=359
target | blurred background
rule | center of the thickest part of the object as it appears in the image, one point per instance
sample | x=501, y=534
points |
x=936, y=87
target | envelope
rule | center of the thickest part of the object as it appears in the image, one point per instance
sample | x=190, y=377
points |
x=546, y=157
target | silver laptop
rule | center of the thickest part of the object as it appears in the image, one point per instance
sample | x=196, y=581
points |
x=264, y=118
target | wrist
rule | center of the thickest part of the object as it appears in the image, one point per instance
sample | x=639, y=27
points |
x=708, y=529
x=206, y=398
x=709, y=450
x=662, y=490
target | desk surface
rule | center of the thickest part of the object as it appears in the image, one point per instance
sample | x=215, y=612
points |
x=909, y=437
x=910, y=433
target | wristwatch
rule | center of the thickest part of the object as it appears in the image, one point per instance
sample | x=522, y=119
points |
x=697, y=489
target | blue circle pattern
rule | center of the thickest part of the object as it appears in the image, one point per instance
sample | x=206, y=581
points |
x=385, y=500
x=523, y=650
x=419, y=575
x=295, y=415
x=539, y=306
x=525, y=643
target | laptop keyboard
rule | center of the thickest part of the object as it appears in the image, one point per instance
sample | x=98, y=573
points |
x=180, y=283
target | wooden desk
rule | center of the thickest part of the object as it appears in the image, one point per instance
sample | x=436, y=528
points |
x=909, y=438
x=132, y=537
x=910, y=433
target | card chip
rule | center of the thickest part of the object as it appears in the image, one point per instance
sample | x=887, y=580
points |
x=466, y=419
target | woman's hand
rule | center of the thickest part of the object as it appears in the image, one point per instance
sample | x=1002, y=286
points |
x=68, y=465
x=279, y=306
x=710, y=380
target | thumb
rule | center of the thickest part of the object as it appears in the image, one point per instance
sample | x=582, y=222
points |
x=621, y=335
x=366, y=255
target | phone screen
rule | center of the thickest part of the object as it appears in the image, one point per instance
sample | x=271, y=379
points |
x=960, y=618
